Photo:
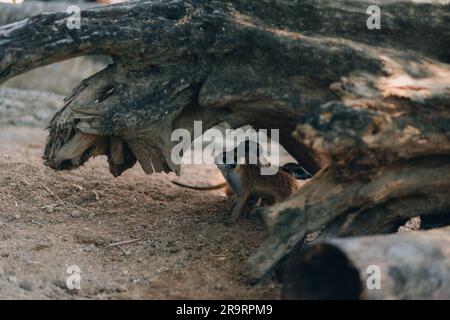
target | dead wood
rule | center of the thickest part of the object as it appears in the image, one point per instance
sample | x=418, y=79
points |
x=414, y=265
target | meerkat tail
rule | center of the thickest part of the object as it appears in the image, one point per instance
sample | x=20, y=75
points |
x=215, y=187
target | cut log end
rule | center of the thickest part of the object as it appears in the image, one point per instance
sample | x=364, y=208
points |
x=413, y=265
x=322, y=272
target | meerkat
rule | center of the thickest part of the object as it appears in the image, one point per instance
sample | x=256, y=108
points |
x=253, y=189
x=250, y=187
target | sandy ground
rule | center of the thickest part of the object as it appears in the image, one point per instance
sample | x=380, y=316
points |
x=51, y=220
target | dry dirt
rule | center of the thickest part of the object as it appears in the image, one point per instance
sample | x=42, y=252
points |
x=50, y=220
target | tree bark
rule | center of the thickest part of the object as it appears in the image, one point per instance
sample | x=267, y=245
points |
x=414, y=265
x=366, y=110
x=62, y=77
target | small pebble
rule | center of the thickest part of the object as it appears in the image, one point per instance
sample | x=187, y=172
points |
x=26, y=285
x=121, y=289
x=48, y=210
x=174, y=250
x=75, y=214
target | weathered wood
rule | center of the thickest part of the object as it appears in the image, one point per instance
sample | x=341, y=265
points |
x=61, y=77
x=414, y=265
x=149, y=39
x=367, y=110
x=353, y=208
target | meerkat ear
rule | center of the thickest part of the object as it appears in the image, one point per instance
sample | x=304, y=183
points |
x=297, y=171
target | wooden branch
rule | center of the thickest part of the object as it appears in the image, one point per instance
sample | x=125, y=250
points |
x=415, y=265
x=123, y=29
x=389, y=216
x=149, y=39
x=356, y=207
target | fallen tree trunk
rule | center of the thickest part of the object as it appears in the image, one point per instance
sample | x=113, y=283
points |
x=380, y=205
x=414, y=265
x=366, y=110
x=62, y=77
